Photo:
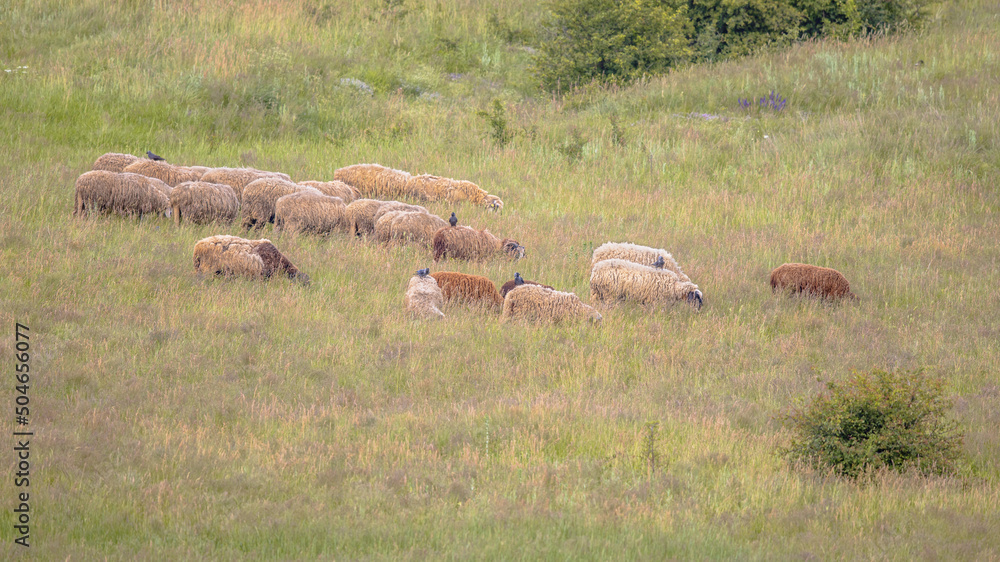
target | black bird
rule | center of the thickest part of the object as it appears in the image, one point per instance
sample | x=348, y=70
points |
x=453, y=220
x=424, y=272
x=153, y=156
x=658, y=264
x=518, y=280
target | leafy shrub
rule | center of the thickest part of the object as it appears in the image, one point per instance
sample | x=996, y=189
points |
x=727, y=28
x=873, y=421
x=500, y=130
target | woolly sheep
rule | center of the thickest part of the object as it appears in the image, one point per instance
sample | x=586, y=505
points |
x=334, y=189
x=114, y=162
x=436, y=188
x=423, y=297
x=613, y=280
x=536, y=302
x=167, y=173
x=390, y=206
x=472, y=289
x=408, y=225
x=374, y=180
x=259, y=197
x=120, y=193
x=360, y=215
x=232, y=255
x=812, y=280
x=509, y=286
x=466, y=243
x=310, y=211
x=239, y=178
x=200, y=170
x=639, y=254
x=201, y=202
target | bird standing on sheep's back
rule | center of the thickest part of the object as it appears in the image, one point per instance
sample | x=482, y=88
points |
x=153, y=156
x=453, y=221
x=658, y=264
x=518, y=280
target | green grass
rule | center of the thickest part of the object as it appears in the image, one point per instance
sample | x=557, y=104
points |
x=181, y=418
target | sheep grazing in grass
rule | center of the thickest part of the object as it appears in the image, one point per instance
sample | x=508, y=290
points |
x=813, y=280
x=466, y=243
x=360, y=215
x=239, y=178
x=472, y=289
x=509, y=285
x=235, y=256
x=535, y=302
x=374, y=180
x=334, y=189
x=200, y=170
x=259, y=197
x=437, y=188
x=123, y=193
x=616, y=280
x=201, y=202
x=423, y=297
x=390, y=206
x=114, y=162
x=412, y=226
x=655, y=257
x=310, y=211
x=167, y=173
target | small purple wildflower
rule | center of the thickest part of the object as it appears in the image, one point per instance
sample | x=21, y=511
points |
x=774, y=102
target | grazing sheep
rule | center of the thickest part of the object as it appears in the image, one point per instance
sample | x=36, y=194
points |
x=408, y=225
x=390, y=206
x=466, y=243
x=120, y=193
x=200, y=170
x=473, y=289
x=613, y=280
x=334, y=189
x=436, y=188
x=661, y=259
x=423, y=296
x=232, y=255
x=167, y=173
x=239, y=178
x=374, y=180
x=509, y=285
x=114, y=162
x=259, y=197
x=812, y=280
x=360, y=215
x=202, y=202
x=536, y=302
x=310, y=211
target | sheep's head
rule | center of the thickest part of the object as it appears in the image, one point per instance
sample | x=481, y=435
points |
x=695, y=299
x=494, y=203
x=512, y=248
x=301, y=278
x=595, y=317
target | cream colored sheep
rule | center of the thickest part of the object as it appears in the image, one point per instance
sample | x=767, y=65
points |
x=614, y=280
x=239, y=178
x=334, y=189
x=201, y=202
x=639, y=254
x=535, y=302
x=466, y=243
x=235, y=256
x=413, y=226
x=437, y=188
x=310, y=211
x=167, y=173
x=125, y=194
x=360, y=215
x=114, y=162
x=259, y=198
x=374, y=180
x=423, y=297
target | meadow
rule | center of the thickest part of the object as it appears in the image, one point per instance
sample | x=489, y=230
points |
x=180, y=417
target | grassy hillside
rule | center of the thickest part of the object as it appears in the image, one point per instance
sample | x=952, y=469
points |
x=179, y=418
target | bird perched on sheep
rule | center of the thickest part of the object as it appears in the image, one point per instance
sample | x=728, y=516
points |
x=535, y=302
x=374, y=180
x=466, y=243
x=615, y=280
x=334, y=189
x=259, y=198
x=655, y=257
x=239, y=178
x=436, y=188
x=167, y=173
x=310, y=211
x=201, y=202
x=813, y=280
x=423, y=297
x=114, y=162
x=509, y=285
x=472, y=289
x=123, y=193
x=155, y=157
x=453, y=220
x=414, y=226
x=234, y=256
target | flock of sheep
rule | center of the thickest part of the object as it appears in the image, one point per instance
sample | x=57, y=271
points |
x=353, y=203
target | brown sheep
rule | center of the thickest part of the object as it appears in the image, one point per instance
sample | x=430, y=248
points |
x=414, y=226
x=167, y=173
x=509, y=285
x=814, y=280
x=124, y=194
x=310, y=211
x=232, y=255
x=201, y=202
x=114, y=162
x=466, y=243
x=334, y=188
x=473, y=289
x=535, y=302
x=239, y=178
x=259, y=198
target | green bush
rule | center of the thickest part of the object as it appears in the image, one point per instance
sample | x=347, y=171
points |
x=876, y=420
